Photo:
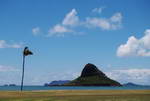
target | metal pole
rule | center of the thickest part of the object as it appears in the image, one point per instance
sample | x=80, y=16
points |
x=22, y=72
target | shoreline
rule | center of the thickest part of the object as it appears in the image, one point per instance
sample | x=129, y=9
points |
x=98, y=91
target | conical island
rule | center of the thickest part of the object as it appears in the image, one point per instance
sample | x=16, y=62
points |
x=92, y=76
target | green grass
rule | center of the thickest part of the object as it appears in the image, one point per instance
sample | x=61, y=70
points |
x=76, y=95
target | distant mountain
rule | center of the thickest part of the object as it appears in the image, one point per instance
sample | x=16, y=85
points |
x=60, y=82
x=133, y=84
x=57, y=83
x=92, y=76
x=12, y=85
x=130, y=84
x=9, y=85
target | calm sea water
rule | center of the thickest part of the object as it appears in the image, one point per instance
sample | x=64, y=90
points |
x=29, y=88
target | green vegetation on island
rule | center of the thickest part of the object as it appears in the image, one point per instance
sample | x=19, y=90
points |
x=92, y=76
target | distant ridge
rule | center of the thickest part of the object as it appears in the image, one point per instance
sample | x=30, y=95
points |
x=133, y=84
x=92, y=76
x=57, y=83
x=130, y=84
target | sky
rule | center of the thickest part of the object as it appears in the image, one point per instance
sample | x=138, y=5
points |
x=64, y=35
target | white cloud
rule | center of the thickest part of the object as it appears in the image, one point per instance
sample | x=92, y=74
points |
x=117, y=17
x=71, y=19
x=98, y=10
x=36, y=31
x=9, y=75
x=67, y=75
x=58, y=30
x=139, y=76
x=7, y=69
x=98, y=22
x=4, y=44
x=135, y=47
x=111, y=23
x=51, y=76
x=146, y=39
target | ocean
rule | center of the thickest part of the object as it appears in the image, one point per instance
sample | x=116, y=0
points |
x=30, y=88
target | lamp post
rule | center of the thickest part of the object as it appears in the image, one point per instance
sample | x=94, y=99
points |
x=26, y=52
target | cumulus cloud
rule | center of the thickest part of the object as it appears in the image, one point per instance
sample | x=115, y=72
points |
x=139, y=76
x=4, y=44
x=58, y=30
x=98, y=10
x=51, y=76
x=9, y=75
x=117, y=17
x=71, y=18
x=135, y=47
x=71, y=22
x=111, y=23
x=68, y=75
x=36, y=31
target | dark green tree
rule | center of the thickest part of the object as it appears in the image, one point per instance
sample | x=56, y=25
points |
x=26, y=52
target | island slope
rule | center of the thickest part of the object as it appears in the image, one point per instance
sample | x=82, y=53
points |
x=92, y=76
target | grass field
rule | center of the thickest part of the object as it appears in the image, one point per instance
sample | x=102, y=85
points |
x=76, y=95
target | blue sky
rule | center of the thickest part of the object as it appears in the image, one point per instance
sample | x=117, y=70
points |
x=64, y=35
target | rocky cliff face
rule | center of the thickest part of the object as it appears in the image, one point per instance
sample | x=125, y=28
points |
x=91, y=70
x=92, y=76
